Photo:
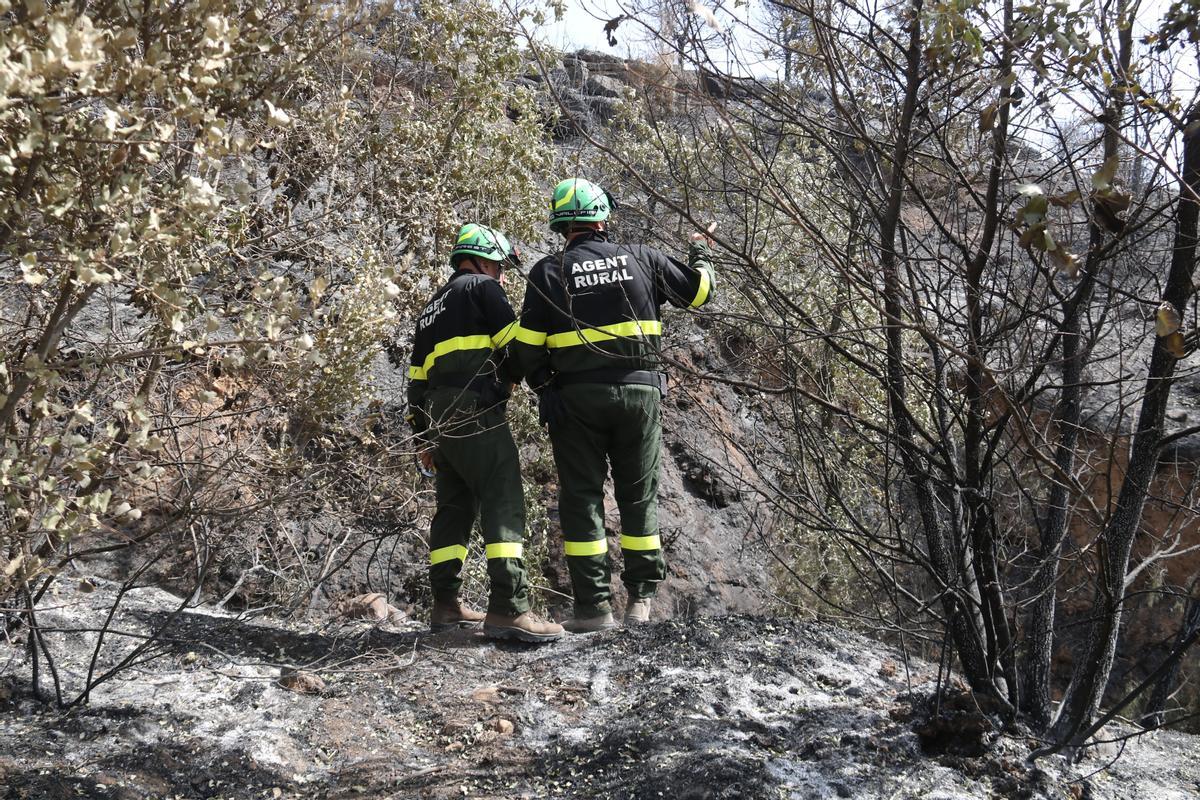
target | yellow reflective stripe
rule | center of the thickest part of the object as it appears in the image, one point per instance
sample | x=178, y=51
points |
x=417, y=374
x=566, y=198
x=603, y=333
x=478, y=342
x=535, y=338
x=594, y=548
x=466, y=234
x=640, y=542
x=702, y=292
x=506, y=334
x=504, y=550
x=454, y=551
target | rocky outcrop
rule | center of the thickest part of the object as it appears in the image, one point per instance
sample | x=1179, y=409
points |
x=712, y=521
x=584, y=89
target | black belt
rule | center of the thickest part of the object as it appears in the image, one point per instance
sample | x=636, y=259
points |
x=615, y=375
x=485, y=384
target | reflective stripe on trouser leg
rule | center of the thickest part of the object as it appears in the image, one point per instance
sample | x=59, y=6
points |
x=485, y=459
x=502, y=516
x=448, y=533
x=581, y=459
x=636, y=454
x=589, y=567
x=506, y=568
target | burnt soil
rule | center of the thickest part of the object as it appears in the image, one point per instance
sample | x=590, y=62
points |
x=717, y=707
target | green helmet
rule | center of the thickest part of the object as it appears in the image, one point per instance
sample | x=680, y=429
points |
x=478, y=240
x=578, y=200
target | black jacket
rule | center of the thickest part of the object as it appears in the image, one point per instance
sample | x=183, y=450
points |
x=595, y=306
x=458, y=342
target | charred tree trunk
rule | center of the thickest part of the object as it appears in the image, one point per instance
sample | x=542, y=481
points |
x=1065, y=424
x=967, y=639
x=1091, y=674
x=980, y=522
x=1153, y=715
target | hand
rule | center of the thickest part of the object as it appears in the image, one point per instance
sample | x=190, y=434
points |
x=705, y=236
x=425, y=459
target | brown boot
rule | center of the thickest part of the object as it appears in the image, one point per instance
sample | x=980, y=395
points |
x=603, y=622
x=637, y=612
x=446, y=616
x=523, y=627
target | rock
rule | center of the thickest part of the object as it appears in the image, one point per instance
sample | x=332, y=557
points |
x=576, y=69
x=372, y=606
x=575, y=110
x=955, y=732
x=558, y=77
x=604, y=108
x=486, y=694
x=502, y=726
x=595, y=58
x=300, y=681
x=603, y=86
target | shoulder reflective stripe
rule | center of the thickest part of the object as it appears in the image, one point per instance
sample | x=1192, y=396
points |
x=596, y=548
x=566, y=198
x=641, y=542
x=604, y=333
x=417, y=373
x=506, y=334
x=505, y=550
x=535, y=338
x=478, y=342
x=702, y=292
x=454, y=551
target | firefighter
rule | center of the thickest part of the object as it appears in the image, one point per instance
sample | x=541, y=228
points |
x=589, y=344
x=459, y=382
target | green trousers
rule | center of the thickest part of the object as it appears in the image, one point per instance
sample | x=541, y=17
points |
x=478, y=477
x=617, y=425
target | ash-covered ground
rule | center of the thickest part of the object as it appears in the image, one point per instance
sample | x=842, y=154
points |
x=719, y=707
